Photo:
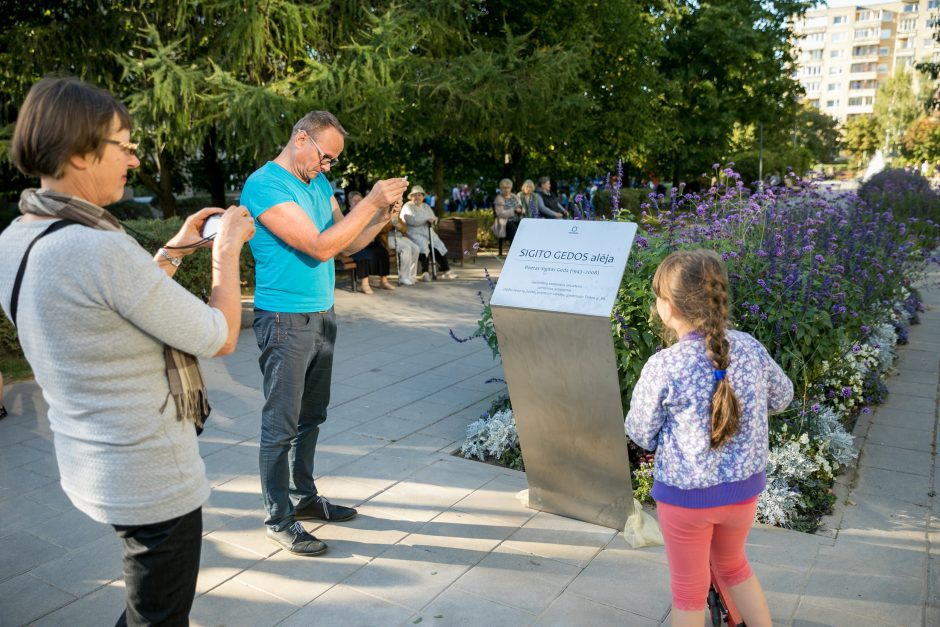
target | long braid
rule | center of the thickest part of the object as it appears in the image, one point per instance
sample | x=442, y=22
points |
x=695, y=282
x=726, y=409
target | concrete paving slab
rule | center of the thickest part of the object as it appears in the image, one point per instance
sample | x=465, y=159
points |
x=812, y=615
x=518, y=579
x=406, y=575
x=245, y=532
x=901, y=485
x=573, y=609
x=459, y=608
x=21, y=551
x=220, y=561
x=86, y=569
x=897, y=459
x=888, y=435
x=915, y=389
x=367, y=536
x=633, y=580
x=26, y=599
x=235, y=605
x=563, y=539
x=344, y=605
x=891, y=600
x=101, y=607
x=300, y=580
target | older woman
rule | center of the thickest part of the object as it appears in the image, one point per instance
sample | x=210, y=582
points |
x=532, y=203
x=508, y=212
x=419, y=217
x=113, y=340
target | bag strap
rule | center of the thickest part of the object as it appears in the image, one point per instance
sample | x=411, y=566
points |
x=15, y=296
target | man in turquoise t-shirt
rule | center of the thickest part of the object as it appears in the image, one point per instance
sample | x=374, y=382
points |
x=300, y=228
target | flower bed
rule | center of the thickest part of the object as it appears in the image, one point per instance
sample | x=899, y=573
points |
x=823, y=279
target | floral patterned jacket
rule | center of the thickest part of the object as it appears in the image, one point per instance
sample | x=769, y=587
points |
x=671, y=413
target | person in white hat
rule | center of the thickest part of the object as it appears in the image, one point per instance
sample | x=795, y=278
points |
x=419, y=216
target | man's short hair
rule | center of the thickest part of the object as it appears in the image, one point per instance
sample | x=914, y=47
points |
x=543, y=180
x=316, y=121
x=62, y=117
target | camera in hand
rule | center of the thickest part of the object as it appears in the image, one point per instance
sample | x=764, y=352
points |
x=211, y=227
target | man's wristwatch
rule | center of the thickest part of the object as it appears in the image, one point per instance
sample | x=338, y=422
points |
x=176, y=261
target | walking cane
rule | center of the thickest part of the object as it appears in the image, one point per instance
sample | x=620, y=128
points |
x=432, y=257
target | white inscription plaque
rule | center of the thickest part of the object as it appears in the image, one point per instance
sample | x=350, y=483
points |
x=568, y=266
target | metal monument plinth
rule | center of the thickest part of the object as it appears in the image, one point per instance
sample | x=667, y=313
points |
x=551, y=308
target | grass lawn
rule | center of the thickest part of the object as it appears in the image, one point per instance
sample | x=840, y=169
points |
x=14, y=368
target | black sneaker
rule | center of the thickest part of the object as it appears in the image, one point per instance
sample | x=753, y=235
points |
x=3, y=411
x=296, y=540
x=321, y=509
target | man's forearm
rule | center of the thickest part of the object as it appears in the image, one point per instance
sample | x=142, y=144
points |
x=368, y=234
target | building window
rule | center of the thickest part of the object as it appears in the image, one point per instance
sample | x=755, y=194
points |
x=910, y=8
x=882, y=67
x=814, y=86
x=830, y=104
x=855, y=102
x=933, y=4
x=814, y=55
x=835, y=54
x=908, y=24
x=832, y=86
x=839, y=19
x=865, y=33
x=812, y=70
x=837, y=37
x=864, y=16
x=816, y=37
x=883, y=51
x=928, y=43
x=869, y=100
x=836, y=69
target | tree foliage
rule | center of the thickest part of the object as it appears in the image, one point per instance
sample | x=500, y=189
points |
x=862, y=136
x=436, y=89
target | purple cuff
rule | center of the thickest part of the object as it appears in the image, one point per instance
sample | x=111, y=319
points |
x=715, y=496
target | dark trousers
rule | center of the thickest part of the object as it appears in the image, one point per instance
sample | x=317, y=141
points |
x=161, y=563
x=297, y=364
x=442, y=264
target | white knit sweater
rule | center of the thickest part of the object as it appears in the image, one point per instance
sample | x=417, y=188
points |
x=94, y=314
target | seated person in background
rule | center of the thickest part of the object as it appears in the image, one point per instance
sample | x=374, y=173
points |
x=396, y=237
x=419, y=218
x=550, y=200
x=532, y=203
x=508, y=212
x=371, y=260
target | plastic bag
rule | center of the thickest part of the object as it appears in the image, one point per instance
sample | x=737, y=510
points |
x=641, y=529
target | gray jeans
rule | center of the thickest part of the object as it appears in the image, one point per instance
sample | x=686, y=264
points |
x=297, y=364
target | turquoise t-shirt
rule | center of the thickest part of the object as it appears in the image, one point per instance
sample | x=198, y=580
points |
x=288, y=280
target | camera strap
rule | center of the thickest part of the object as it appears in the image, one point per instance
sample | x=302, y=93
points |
x=15, y=296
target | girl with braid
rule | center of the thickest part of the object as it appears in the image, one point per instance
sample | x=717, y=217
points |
x=702, y=404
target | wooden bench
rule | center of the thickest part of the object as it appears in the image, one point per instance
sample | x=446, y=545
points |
x=345, y=263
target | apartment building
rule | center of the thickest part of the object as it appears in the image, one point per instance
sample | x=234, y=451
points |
x=847, y=52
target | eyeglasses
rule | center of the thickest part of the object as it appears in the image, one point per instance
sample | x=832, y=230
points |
x=324, y=158
x=128, y=147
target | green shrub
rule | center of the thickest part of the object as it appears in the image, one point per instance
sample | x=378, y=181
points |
x=9, y=344
x=747, y=164
x=630, y=201
x=905, y=194
x=195, y=273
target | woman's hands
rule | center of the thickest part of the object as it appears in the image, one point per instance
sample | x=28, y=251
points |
x=188, y=238
x=237, y=226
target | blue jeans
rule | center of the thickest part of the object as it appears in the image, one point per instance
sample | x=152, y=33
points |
x=297, y=364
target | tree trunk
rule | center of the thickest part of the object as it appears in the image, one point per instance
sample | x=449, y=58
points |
x=214, y=174
x=161, y=183
x=513, y=170
x=438, y=179
x=164, y=191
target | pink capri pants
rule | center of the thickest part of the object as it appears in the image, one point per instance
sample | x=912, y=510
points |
x=695, y=537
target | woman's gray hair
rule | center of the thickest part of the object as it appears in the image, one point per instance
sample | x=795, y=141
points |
x=529, y=183
x=505, y=182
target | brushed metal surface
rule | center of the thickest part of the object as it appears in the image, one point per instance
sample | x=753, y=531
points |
x=562, y=377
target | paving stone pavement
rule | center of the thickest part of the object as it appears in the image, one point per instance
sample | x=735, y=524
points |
x=444, y=541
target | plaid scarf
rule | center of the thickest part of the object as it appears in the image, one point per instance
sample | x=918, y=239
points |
x=182, y=369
